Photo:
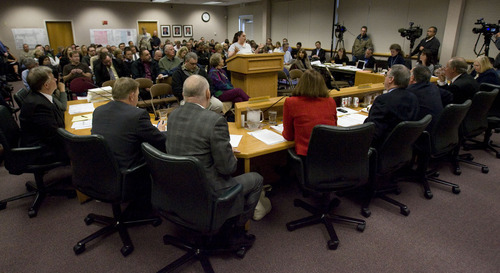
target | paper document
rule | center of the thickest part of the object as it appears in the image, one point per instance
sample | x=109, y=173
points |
x=267, y=136
x=235, y=140
x=351, y=120
x=82, y=117
x=278, y=128
x=81, y=108
x=85, y=124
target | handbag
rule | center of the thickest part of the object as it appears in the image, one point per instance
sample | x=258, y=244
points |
x=264, y=205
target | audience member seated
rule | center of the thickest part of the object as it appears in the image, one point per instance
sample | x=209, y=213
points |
x=278, y=48
x=145, y=67
x=13, y=71
x=302, y=62
x=309, y=106
x=128, y=60
x=29, y=63
x=463, y=86
x=369, y=59
x=427, y=59
x=295, y=50
x=181, y=53
x=287, y=58
x=484, y=72
x=431, y=99
x=194, y=131
x=186, y=69
x=169, y=62
x=124, y=126
x=203, y=55
x=75, y=69
x=108, y=69
x=65, y=58
x=318, y=53
x=341, y=57
x=361, y=44
x=40, y=117
x=396, y=56
x=224, y=90
x=393, y=107
x=91, y=52
x=26, y=53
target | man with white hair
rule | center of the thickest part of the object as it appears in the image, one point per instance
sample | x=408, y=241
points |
x=194, y=131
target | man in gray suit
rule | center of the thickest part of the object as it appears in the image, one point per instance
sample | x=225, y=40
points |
x=193, y=130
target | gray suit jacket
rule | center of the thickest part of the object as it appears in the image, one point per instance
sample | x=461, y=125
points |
x=194, y=131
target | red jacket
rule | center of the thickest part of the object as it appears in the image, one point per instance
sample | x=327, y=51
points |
x=301, y=114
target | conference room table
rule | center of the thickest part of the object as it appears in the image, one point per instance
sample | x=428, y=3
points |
x=249, y=146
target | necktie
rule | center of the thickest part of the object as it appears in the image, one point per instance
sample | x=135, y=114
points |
x=111, y=74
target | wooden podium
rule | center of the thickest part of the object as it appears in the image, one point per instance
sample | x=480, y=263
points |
x=256, y=74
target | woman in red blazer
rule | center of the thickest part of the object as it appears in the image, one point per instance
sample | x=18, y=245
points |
x=309, y=106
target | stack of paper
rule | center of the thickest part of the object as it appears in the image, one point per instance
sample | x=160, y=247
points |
x=267, y=136
x=99, y=94
x=85, y=124
x=81, y=108
x=235, y=140
x=351, y=120
x=278, y=128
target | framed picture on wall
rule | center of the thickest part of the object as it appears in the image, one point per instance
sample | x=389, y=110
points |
x=188, y=31
x=165, y=31
x=177, y=31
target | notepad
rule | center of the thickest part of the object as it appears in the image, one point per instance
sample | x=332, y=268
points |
x=351, y=120
x=82, y=117
x=235, y=140
x=81, y=108
x=85, y=124
x=278, y=128
x=267, y=136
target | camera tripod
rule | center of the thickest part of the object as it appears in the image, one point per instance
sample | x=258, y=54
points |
x=340, y=41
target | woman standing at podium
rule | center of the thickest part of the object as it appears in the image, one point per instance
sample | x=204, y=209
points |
x=309, y=106
x=240, y=46
x=224, y=90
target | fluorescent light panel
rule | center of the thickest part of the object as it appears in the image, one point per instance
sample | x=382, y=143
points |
x=159, y=1
x=212, y=3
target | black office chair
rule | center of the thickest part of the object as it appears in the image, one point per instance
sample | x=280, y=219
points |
x=338, y=160
x=96, y=174
x=182, y=195
x=442, y=142
x=475, y=123
x=20, y=96
x=394, y=155
x=493, y=121
x=20, y=160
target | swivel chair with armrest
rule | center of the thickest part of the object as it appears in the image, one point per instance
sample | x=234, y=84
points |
x=97, y=175
x=394, y=155
x=20, y=160
x=182, y=194
x=442, y=142
x=20, y=96
x=493, y=120
x=338, y=160
x=475, y=123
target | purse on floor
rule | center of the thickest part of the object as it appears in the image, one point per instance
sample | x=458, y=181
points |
x=264, y=205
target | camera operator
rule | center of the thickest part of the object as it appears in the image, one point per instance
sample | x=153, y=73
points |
x=430, y=42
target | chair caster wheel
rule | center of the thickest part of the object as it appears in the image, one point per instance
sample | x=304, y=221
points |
x=3, y=205
x=397, y=191
x=296, y=203
x=240, y=253
x=79, y=248
x=32, y=213
x=290, y=227
x=126, y=250
x=405, y=211
x=470, y=157
x=455, y=190
x=428, y=194
x=88, y=220
x=366, y=212
x=485, y=169
x=361, y=227
x=457, y=171
x=436, y=174
x=332, y=245
x=157, y=223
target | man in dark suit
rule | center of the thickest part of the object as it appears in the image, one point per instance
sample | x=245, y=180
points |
x=108, y=69
x=397, y=105
x=431, y=99
x=124, y=126
x=463, y=86
x=40, y=117
x=195, y=131
x=318, y=53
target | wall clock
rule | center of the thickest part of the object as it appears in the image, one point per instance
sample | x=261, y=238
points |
x=205, y=17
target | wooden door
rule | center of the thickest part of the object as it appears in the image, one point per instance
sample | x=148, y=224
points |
x=150, y=27
x=60, y=34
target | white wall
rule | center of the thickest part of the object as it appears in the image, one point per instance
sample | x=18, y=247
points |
x=255, y=9
x=89, y=15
